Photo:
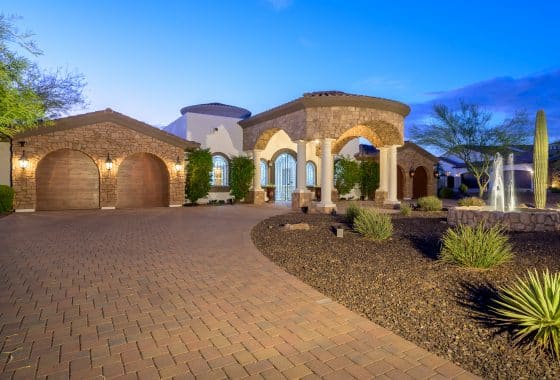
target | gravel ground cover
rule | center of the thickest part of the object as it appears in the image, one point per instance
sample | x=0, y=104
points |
x=400, y=285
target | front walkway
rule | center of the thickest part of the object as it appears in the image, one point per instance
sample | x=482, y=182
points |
x=176, y=293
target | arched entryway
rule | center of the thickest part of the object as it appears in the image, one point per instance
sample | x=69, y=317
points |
x=67, y=180
x=400, y=182
x=142, y=181
x=284, y=176
x=420, y=183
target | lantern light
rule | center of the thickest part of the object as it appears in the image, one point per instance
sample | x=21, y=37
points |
x=23, y=161
x=411, y=172
x=178, y=164
x=109, y=162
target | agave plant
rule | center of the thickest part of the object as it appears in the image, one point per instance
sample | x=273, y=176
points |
x=532, y=308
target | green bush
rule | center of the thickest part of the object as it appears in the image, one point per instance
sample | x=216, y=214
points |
x=241, y=174
x=346, y=174
x=352, y=212
x=430, y=203
x=373, y=225
x=199, y=167
x=463, y=188
x=369, y=178
x=406, y=210
x=6, y=198
x=475, y=247
x=532, y=308
x=446, y=193
x=471, y=201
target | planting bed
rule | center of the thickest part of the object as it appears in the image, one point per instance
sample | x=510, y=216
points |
x=400, y=285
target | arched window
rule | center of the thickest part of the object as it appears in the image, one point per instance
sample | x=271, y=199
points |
x=310, y=173
x=220, y=171
x=264, y=173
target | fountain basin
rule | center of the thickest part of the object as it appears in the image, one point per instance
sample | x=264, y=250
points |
x=522, y=219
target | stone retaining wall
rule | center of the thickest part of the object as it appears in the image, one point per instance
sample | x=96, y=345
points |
x=526, y=220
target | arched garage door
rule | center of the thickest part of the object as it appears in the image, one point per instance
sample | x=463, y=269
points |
x=420, y=183
x=67, y=180
x=142, y=181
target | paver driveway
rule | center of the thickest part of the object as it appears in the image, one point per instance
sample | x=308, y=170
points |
x=176, y=293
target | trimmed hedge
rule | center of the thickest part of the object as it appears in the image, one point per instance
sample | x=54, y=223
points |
x=6, y=198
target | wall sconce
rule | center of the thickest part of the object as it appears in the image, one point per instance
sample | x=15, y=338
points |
x=178, y=164
x=23, y=161
x=108, y=162
x=411, y=172
x=436, y=173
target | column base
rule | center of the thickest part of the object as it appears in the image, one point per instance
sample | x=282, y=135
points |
x=255, y=197
x=300, y=198
x=380, y=197
x=392, y=204
x=325, y=208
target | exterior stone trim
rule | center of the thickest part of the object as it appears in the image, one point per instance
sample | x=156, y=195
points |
x=523, y=221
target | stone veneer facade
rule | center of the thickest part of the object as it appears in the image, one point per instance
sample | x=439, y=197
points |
x=525, y=220
x=96, y=141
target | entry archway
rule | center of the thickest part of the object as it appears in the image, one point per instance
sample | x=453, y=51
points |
x=142, y=181
x=420, y=183
x=285, y=176
x=67, y=180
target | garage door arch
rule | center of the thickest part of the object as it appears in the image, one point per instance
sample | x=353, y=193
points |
x=67, y=179
x=142, y=181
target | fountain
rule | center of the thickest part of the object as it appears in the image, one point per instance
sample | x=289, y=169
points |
x=502, y=208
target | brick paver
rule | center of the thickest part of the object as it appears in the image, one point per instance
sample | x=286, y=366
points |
x=176, y=293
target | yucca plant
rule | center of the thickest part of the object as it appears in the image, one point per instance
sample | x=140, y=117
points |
x=430, y=203
x=475, y=247
x=471, y=201
x=532, y=308
x=405, y=210
x=373, y=225
x=352, y=212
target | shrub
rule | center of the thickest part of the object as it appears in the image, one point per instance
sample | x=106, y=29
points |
x=352, y=212
x=532, y=308
x=471, y=201
x=406, y=210
x=373, y=225
x=430, y=203
x=346, y=174
x=369, y=178
x=241, y=174
x=463, y=188
x=475, y=247
x=446, y=193
x=6, y=198
x=199, y=167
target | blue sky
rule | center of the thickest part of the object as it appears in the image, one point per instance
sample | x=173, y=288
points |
x=148, y=59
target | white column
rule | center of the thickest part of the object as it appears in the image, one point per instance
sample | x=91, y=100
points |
x=326, y=174
x=300, y=172
x=383, y=169
x=257, y=176
x=392, y=174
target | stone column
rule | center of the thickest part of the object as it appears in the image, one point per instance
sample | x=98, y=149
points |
x=256, y=195
x=326, y=205
x=381, y=192
x=392, y=176
x=301, y=197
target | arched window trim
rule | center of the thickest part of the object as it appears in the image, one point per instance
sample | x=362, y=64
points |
x=220, y=170
x=310, y=173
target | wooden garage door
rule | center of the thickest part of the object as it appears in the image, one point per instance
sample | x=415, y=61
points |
x=67, y=180
x=420, y=183
x=142, y=181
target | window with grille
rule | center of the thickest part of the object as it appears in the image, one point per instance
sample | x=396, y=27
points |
x=220, y=169
x=311, y=174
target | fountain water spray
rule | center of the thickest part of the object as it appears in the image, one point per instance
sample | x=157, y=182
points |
x=511, y=202
x=502, y=193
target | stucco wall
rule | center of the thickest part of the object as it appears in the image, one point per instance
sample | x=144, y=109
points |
x=4, y=163
x=218, y=133
x=96, y=141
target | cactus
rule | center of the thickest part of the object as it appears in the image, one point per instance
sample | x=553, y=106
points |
x=540, y=160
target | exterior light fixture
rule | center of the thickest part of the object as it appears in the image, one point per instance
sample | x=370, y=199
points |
x=23, y=161
x=178, y=164
x=411, y=172
x=108, y=162
x=436, y=172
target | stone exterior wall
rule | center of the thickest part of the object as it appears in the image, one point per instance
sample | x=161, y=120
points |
x=96, y=141
x=523, y=221
x=257, y=136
